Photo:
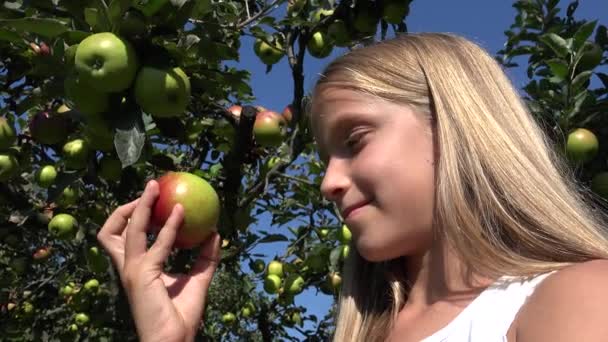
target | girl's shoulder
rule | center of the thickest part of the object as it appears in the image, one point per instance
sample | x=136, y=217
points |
x=569, y=305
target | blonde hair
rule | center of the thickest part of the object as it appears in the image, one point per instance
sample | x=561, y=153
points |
x=505, y=200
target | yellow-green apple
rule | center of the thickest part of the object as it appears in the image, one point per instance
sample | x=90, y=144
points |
x=106, y=62
x=268, y=53
x=275, y=267
x=321, y=14
x=162, y=92
x=110, y=168
x=272, y=283
x=228, y=318
x=9, y=167
x=268, y=129
x=87, y=100
x=49, y=128
x=335, y=280
x=96, y=261
x=200, y=203
x=294, y=284
x=257, y=266
x=319, y=45
x=62, y=226
x=68, y=197
x=582, y=145
x=45, y=176
x=7, y=134
x=345, y=251
x=75, y=154
x=344, y=234
x=91, y=286
x=81, y=318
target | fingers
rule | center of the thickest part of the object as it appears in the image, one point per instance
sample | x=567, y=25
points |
x=161, y=248
x=207, y=261
x=115, y=226
x=140, y=221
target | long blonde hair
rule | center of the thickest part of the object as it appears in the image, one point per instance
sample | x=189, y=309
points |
x=505, y=200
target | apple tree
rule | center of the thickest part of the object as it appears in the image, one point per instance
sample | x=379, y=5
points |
x=99, y=96
x=567, y=89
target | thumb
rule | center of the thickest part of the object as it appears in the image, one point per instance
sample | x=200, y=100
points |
x=207, y=261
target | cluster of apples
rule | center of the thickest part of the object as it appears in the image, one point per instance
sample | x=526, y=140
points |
x=79, y=298
x=269, y=126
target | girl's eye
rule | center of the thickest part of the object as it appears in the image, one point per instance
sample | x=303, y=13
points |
x=353, y=142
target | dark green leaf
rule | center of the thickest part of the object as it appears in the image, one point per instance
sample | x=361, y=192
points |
x=334, y=256
x=91, y=16
x=601, y=36
x=48, y=28
x=583, y=33
x=130, y=138
x=580, y=80
x=273, y=238
x=559, y=68
x=556, y=43
x=10, y=36
x=116, y=9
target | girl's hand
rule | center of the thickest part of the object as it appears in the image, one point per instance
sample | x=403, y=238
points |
x=165, y=307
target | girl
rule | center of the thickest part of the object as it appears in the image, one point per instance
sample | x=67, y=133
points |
x=466, y=224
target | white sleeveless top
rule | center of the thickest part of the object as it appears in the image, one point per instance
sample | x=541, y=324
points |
x=489, y=316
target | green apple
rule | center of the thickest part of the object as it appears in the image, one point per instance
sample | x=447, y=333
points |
x=319, y=45
x=9, y=167
x=110, y=168
x=106, y=62
x=322, y=233
x=336, y=281
x=27, y=308
x=92, y=286
x=199, y=201
x=294, y=284
x=66, y=290
x=246, y=312
x=96, y=261
x=345, y=251
x=394, y=11
x=75, y=154
x=294, y=319
x=7, y=134
x=81, y=318
x=87, y=100
x=162, y=92
x=344, y=234
x=63, y=226
x=338, y=33
x=73, y=328
x=46, y=175
x=68, y=197
x=268, y=129
x=49, y=128
x=269, y=54
x=257, y=266
x=272, y=283
x=582, y=145
x=275, y=267
x=228, y=318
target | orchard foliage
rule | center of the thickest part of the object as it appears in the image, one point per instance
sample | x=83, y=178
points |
x=72, y=149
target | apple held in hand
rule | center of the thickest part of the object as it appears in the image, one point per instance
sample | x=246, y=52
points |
x=106, y=62
x=199, y=200
x=162, y=92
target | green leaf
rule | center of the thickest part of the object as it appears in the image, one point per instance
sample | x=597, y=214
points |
x=559, y=68
x=130, y=138
x=92, y=17
x=48, y=28
x=10, y=36
x=116, y=9
x=63, y=180
x=580, y=79
x=334, y=256
x=273, y=238
x=556, y=43
x=583, y=33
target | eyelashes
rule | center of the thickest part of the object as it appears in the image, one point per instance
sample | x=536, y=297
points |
x=355, y=139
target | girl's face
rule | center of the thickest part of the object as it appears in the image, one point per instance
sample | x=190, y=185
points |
x=380, y=171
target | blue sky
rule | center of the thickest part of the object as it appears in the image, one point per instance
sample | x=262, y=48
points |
x=482, y=21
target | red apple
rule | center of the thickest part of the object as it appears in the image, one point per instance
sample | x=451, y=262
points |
x=42, y=253
x=236, y=110
x=199, y=200
x=287, y=113
x=48, y=128
x=268, y=129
